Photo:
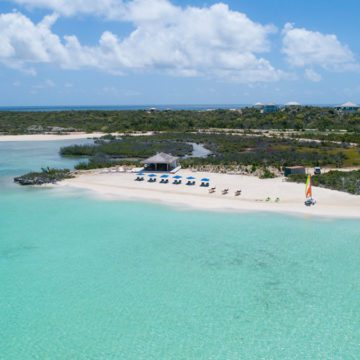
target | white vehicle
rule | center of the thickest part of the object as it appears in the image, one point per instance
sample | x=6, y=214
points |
x=317, y=170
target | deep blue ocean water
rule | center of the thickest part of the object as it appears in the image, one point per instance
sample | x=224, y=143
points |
x=135, y=107
x=82, y=278
x=121, y=107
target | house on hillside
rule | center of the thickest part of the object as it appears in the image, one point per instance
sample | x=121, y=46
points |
x=348, y=107
x=267, y=108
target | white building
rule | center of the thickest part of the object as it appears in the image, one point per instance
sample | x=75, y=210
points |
x=292, y=104
x=267, y=108
x=348, y=107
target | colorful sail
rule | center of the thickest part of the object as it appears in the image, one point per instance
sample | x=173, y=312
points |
x=308, y=189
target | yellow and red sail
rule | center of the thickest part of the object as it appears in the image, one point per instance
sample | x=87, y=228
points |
x=308, y=188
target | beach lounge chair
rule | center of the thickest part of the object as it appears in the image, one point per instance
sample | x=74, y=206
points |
x=268, y=199
x=212, y=190
x=205, y=182
x=164, y=179
x=177, y=179
x=190, y=180
x=277, y=200
x=225, y=191
x=237, y=192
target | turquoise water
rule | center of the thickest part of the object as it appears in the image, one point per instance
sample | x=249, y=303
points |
x=87, y=279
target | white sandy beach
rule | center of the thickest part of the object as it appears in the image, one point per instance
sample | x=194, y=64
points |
x=67, y=136
x=49, y=137
x=254, y=194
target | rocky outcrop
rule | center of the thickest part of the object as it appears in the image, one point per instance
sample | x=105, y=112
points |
x=46, y=176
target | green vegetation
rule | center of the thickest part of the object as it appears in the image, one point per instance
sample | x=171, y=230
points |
x=46, y=176
x=101, y=162
x=227, y=150
x=298, y=118
x=129, y=147
x=267, y=174
x=335, y=180
x=340, y=137
x=262, y=143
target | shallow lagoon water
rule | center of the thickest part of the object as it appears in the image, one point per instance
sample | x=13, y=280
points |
x=82, y=278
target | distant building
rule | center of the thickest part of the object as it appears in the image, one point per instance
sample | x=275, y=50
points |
x=267, y=108
x=236, y=110
x=348, y=107
x=259, y=105
x=161, y=162
x=270, y=108
x=292, y=104
x=151, y=110
x=294, y=170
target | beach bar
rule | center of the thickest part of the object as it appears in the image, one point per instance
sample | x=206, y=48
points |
x=161, y=162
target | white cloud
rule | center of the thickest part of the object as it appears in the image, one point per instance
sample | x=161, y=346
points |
x=23, y=43
x=312, y=75
x=133, y=10
x=210, y=41
x=140, y=11
x=107, y=8
x=305, y=48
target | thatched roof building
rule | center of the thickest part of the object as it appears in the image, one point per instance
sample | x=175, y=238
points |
x=160, y=162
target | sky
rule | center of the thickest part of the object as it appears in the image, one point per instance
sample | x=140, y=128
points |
x=138, y=52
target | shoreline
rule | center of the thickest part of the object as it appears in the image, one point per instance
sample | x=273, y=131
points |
x=121, y=186
x=66, y=136
x=49, y=137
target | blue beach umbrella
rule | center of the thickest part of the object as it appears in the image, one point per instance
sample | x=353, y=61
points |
x=205, y=180
x=190, y=178
x=164, y=176
x=152, y=175
x=177, y=177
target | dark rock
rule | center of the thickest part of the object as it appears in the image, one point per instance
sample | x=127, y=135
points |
x=47, y=176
